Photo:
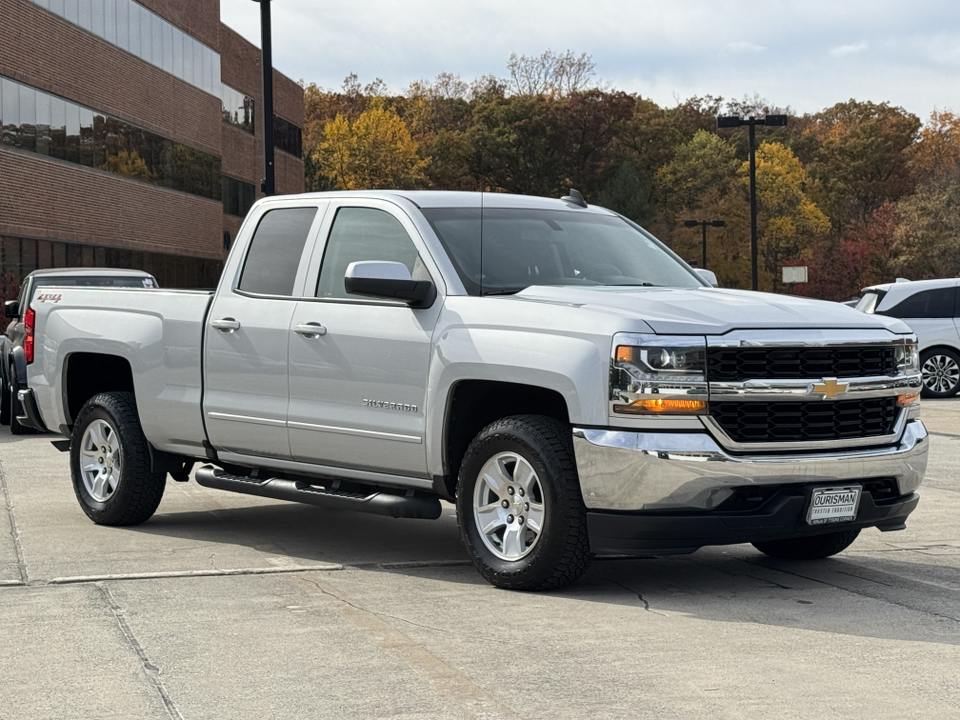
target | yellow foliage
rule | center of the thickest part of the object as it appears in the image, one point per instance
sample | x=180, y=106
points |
x=128, y=163
x=787, y=220
x=374, y=151
x=939, y=148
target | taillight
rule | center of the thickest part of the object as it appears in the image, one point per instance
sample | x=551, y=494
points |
x=29, y=319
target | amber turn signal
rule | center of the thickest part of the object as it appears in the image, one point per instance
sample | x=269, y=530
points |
x=624, y=353
x=907, y=399
x=660, y=406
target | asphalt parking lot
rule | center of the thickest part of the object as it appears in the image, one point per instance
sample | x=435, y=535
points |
x=225, y=606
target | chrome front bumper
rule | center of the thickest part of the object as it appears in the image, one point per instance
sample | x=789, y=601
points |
x=656, y=471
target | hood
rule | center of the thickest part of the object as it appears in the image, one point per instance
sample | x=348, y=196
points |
x=711, y=311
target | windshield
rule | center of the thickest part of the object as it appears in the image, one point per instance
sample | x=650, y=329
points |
x=868, y=303
x=509, y=249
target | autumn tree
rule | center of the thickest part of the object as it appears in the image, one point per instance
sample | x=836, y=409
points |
x=700, y=182
x=840, y=266
x=927, y=239
x=373, y=151
x=862, y=158
x=788, y=221
x=938, y=151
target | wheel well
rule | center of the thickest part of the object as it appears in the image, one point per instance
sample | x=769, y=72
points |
x=90, y=373
x=474, y=404
x=940, y=348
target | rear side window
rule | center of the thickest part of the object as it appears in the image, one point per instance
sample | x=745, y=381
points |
x=275, y=251
x=938, y=303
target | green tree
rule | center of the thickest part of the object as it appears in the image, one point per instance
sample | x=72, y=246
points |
x=514, y=144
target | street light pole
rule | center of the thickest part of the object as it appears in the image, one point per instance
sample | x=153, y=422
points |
x=266, y=60
x=752, y=122
x=703, y=224
x=754, y=251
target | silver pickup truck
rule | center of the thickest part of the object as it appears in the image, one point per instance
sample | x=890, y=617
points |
x=564, y=378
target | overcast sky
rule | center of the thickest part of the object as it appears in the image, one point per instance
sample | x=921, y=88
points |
x=806, y=55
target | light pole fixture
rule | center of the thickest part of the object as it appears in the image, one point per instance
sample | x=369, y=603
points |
x=266, y=60
x=752, y=122
x=703, y=224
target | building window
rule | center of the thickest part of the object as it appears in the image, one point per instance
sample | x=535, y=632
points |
x=287, y=136
x=49, y=125
x=131, y=27
x=238, y=196
x=21, y=256
x=237, y=108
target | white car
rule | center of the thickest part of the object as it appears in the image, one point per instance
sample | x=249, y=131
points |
x=931, y=308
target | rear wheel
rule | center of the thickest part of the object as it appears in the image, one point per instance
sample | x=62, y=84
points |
x=941, y=373
x=521, y=514
x=815, y=547
x=110, y=462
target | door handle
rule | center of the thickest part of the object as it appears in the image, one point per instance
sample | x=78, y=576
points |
x=310, y=330
x=225, y=325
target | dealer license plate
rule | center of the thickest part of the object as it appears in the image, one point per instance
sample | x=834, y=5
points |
x=833, y=505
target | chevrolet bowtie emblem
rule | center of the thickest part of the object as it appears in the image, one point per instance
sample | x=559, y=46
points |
x=830, y=387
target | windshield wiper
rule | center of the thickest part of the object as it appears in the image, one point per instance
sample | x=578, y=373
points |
x=642, y=284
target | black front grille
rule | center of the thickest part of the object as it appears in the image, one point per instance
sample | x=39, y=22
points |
x=748, y=422
x=737, y=364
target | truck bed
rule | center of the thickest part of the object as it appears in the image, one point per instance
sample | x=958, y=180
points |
x=158, y=332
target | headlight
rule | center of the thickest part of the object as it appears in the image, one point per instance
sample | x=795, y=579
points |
x=656, y=375
x=908, y=358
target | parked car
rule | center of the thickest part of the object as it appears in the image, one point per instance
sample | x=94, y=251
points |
x=932, y=310
x=13, y=370
x=551, y=368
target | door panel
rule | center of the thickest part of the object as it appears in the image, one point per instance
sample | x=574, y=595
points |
x=245, y=393
x=246, y=357
x=357, y=391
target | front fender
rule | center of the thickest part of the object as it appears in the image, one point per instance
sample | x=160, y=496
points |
x=574, y=367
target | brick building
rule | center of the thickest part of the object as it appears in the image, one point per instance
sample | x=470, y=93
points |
x=132, y=136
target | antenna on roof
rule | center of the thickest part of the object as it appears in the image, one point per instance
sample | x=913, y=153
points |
x=575, y=198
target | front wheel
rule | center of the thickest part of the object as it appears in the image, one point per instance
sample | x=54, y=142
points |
x=815, y=547
x=110, y=462
x=941, y=373
x=519, y=507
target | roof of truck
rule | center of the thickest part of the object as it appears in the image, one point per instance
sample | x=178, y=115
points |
x=448, y=198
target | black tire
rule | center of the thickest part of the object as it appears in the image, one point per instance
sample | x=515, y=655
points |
x=815, y=547
x=13, y=403
x=940, y=368
x=4, y=403
x=560, y=553
x=139, y=489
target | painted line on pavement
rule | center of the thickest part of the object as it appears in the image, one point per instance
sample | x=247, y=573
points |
x=328, y=567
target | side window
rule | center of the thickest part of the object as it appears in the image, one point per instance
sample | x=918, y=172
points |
x=275, y=251
x=926, y=304
x=360, y=234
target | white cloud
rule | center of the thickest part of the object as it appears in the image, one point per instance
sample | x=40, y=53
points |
x=665, y=51
x=845, y=50
x=741, y=48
